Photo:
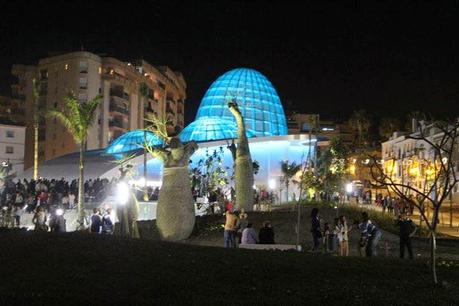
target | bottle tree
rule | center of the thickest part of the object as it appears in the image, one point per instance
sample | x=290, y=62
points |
x=243, y=167
x=175, y=213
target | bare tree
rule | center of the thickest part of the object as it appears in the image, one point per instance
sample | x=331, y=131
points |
x=431, y=175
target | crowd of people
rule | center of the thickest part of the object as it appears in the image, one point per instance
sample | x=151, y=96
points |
x=332, y=238
x=335, y=238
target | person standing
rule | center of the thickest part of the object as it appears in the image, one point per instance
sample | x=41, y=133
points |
x=242, y=223
x=343, y=237
x=315, y=229
x=96, y=221
x=39, y=219
x=107, y=223
x=407, y=230
x=371, y=235
x=229, y=235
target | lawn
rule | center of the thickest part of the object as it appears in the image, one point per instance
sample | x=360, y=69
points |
x=83, y=269
x=80, y=269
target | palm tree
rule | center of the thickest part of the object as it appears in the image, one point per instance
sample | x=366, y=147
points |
x=78, y=118
x=35, y=127
x=289, y=170
x=388, y=126
x=361, y=123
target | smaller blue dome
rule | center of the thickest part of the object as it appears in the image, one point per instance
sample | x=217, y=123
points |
x=133, y=140
x=211, y=128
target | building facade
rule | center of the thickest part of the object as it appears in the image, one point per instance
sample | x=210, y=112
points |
x=411, y=161
x=325, y=129
x=130, y=92
x=12, y=140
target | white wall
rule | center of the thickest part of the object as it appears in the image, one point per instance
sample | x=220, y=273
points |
x=17, y=143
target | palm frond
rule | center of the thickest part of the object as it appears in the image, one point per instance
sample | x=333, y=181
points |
x=67, y=122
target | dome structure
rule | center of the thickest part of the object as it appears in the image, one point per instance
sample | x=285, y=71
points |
x=257, y=99
x=211, y=128
x=131, y=141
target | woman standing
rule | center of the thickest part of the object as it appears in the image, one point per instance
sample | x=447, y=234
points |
x=315, y=229
x=343, y=237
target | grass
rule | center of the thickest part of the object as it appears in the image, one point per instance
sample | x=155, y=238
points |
x=77, y=269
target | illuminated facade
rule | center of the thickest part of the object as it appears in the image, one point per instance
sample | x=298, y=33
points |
x=130, y=92
x=257, y=99
x=214, y=126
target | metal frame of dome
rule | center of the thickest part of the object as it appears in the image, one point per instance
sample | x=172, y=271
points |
x=211, y=128
x=133, y=140
x=258, y=101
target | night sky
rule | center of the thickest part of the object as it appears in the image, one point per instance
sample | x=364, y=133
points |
x=327, y=58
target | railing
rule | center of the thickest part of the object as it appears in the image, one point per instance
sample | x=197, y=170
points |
x=170, y=111
x=117, y=123
x=119, y=109
x=119, y=94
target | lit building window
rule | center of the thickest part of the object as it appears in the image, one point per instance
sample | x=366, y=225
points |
x=66, y=66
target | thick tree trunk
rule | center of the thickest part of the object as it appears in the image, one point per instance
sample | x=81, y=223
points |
x=35, y=147
x=81, y=213
x=243, y=164
x=175, y=213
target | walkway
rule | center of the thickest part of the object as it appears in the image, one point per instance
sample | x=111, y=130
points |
x=447, y=226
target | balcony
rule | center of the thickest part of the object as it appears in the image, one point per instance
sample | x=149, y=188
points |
x=118, y=108
x=162, y=85
x=117, y=123
x=119, y=94
x=149, y=109
x=170, y=110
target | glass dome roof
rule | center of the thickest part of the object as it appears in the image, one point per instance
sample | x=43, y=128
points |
x=258, y=100
x=211, y=128
x=132, y=140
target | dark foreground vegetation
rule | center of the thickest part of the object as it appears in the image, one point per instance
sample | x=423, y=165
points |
x=82, y=269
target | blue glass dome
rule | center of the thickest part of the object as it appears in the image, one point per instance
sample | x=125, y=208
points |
x=132, y=140
x=257, y=99
x=211, y=128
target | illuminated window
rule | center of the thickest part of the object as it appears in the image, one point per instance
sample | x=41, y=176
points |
x=83, y=67
x=100, y=70
x=66, y=66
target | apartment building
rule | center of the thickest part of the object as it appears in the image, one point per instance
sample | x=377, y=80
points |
x=325, y=130
x=12, y=138
x=12, y=110
x=130, y=91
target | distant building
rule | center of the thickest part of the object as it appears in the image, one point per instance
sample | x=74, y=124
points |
x=130, y=91
x=12, y=110
x=12, y=139
x=408, y=161
x=326, y=129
